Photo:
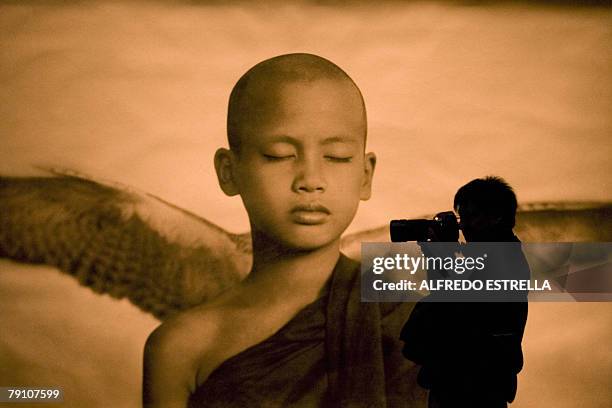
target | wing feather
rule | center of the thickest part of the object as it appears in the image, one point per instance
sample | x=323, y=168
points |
x=120, y=242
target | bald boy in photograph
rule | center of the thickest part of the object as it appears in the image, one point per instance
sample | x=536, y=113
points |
x=294, y=332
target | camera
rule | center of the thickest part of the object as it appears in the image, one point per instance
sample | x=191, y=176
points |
x=444, y=225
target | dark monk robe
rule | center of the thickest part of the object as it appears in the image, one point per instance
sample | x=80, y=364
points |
x=336, y=352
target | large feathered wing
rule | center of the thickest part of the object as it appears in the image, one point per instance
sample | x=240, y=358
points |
x=119, y=241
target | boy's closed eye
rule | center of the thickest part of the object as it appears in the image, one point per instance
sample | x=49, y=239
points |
x=339, y=159
x=279, y=151
x=339, y=152
x=273, y=157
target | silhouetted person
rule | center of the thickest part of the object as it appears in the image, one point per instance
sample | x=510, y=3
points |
x=470, y=353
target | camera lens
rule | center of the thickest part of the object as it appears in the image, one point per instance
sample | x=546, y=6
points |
x=408, y=230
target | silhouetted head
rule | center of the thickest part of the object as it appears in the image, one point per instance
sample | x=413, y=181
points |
x=296, y=129
x=487, y=209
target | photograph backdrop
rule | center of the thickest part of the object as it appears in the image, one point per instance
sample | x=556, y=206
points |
x=136, y=92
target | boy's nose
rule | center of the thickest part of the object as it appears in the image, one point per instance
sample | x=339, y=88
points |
x=309, y=178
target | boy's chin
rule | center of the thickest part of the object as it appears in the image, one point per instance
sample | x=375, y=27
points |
x=309, y=240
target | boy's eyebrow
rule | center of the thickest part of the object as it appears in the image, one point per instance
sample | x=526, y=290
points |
x=326, y=141
x=339, y=139
x=284, y=139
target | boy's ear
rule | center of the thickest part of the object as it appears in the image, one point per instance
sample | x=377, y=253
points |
x=368, y=173
x=225, y=165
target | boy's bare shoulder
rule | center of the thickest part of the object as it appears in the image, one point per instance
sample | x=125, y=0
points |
x=191, y=344
x=172, y=356
x=203, y=332
x=188, y=331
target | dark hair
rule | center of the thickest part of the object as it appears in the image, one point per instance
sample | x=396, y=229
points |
x=490, y=195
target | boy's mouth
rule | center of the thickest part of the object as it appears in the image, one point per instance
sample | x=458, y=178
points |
x=310, y=214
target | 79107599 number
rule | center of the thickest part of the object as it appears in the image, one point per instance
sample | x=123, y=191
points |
x=33, y=394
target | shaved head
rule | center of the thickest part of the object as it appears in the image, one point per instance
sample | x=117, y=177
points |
x=259, y=93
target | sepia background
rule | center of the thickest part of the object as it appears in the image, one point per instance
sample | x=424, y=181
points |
x=136, y=92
